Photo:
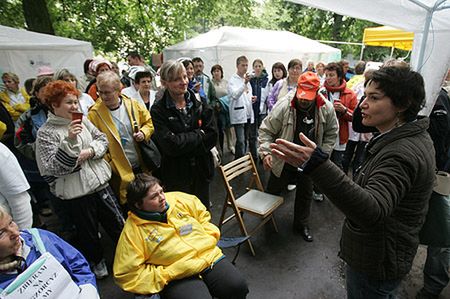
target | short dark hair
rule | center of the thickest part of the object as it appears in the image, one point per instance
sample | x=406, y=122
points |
x=217, y=67
x=280, y=66
x=138, y=188
x=334, y=66
x=39, y=83
x=197, y=59
x=140, y=75
x=86, y=64
x=403, y=86
x=134, y=54
x=295, y=62
x=360, y=67
x=241, y=59
x=29, y=84
x=187, y=62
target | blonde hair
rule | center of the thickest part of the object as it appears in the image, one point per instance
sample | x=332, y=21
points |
x=10, y=75
x=3, y=212
x=170, y=70
x=109, y=78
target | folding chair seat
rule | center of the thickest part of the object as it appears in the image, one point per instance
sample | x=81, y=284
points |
x=254, y=201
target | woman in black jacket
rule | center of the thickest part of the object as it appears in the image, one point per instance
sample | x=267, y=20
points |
x=386, y=205
x=185, y=133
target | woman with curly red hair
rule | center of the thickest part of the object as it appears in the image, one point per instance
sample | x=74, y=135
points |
x=69, y=154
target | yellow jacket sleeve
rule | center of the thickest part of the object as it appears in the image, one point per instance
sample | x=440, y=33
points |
x=16, y=110
x=2, y=129
x=131, y=271
x=200, y=213
x=145, y=121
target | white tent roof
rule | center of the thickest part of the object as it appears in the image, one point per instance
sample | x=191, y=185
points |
x=431, y=54
x=225, y=44
x=23, y=52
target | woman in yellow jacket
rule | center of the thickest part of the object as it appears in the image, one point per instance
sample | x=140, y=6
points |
x=169, y=246
x=15, y=99
x=111, y=114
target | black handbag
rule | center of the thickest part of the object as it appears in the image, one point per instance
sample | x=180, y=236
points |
x=149, y=151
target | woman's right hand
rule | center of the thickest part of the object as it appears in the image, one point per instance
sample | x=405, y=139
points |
x=267, y=162
x=75, y=128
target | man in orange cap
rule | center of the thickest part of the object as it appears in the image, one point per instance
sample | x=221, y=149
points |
x=304, y=111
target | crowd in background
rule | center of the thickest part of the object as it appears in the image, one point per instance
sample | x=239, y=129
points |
x=73, y=146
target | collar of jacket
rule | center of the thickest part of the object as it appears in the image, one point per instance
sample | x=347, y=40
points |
x=189, y=97
x=104, y=114
x=152, y=216
x=57, y=120
x=408, y=129
x=340, y=88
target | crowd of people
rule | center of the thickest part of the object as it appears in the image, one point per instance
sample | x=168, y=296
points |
x=354, y=138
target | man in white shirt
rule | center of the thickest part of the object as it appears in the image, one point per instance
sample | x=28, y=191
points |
x=241, y=112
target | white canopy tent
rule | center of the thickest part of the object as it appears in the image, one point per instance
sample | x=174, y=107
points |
x=428, y=19
x=225, y=44
x=23, y=52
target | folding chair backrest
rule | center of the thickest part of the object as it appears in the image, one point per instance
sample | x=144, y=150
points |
x=240, y=167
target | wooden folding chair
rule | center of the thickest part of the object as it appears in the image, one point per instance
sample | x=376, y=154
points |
x=255, y=201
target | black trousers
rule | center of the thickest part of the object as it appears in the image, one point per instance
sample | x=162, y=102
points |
x=303, y=193
x=90, y=210
x=223, y=281
x=199, y=187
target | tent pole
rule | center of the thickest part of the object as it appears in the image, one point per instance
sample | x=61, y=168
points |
x=362, y=52
x=430, y=12
x=392, y=52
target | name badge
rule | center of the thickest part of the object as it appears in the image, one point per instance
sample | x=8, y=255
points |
x=186, y=229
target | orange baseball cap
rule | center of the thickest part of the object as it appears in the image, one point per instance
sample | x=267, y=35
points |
x=308, y=85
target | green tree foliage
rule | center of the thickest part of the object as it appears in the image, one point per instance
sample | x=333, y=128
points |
x=118, y=26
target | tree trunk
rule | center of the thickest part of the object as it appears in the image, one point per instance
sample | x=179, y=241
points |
x=37, y=16
x=337, y=27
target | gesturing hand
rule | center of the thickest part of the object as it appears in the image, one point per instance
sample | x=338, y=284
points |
x=292, y=153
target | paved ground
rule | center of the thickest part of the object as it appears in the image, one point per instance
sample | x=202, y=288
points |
x=285, y=266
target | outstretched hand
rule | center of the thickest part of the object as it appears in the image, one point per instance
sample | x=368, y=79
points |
x=292, y=153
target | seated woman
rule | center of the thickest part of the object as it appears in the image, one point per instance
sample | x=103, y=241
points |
x=19, y=249
x=169, y=246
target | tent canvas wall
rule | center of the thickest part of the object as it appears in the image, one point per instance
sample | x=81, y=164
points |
x=23, y=52
x=428, y=19
x=225, y=44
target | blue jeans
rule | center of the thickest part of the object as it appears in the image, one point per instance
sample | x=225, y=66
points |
x=241, y=131
x=360, y=286
x=435, y=272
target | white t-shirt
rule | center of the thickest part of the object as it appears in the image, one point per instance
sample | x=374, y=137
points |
x=338, y=147
x=123, y=125
x=16, y=98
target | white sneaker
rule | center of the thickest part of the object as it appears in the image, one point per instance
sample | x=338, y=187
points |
x=291, y=187
x=231, y=149
x=100, y=270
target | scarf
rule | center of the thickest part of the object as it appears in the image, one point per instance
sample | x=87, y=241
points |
x=152, y=216
x=339, y=88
